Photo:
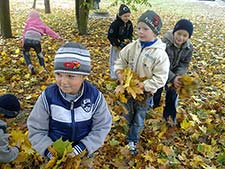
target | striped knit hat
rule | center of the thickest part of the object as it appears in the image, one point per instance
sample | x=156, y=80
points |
x=72, y=58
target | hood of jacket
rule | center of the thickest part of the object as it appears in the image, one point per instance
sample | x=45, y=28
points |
x=3, y=125
x=168, y=37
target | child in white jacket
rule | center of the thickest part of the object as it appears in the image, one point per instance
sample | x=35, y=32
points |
x=147, y=57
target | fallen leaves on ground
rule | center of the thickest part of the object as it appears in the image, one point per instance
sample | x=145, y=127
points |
x=198, y=141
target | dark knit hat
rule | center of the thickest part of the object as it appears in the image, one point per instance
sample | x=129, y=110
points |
x=72, y=58
x=152, y=19
x=123, y=9
x=184, y=24
x=9, y=105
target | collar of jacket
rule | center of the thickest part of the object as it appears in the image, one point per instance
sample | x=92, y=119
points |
x=76, y=96
x=3, y=125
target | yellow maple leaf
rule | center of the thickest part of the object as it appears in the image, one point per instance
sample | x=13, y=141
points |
x=167, y=150
x=130, y=87
x=122, y=98
x=131, y=91
x=51, y=163
x=163, y=130
x=17, y=51
x=149, y=156
x=16, y=135
x=189, y=84
x=128, y=76
x=185, y=124
x=119, y=89
x=195, y=118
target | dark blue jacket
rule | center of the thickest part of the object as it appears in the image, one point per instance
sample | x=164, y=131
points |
x=119, y=31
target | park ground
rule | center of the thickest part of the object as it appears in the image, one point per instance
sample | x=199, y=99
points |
x=199, y=140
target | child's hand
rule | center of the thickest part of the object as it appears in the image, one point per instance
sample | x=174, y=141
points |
x=71, y=155
x=51, y=152
x=126, y=41
x=18, y=144
x=61, y=39
x=177, y=83
x=119, y=76
x=141, y=86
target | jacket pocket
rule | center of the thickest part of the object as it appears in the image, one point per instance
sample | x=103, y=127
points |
x=148, y=61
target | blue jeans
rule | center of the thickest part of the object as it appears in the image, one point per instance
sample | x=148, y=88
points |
x=171, y=102
x=135, y=117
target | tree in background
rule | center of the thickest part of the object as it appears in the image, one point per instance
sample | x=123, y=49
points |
x=47, y=5
x=34, y=4
x=82, y=8
x=5, y=22
x=82, y=11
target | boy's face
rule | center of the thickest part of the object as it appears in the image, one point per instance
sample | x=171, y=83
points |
x=144, y=32
x=180, y=37
x=69, y=83
x=125, y=17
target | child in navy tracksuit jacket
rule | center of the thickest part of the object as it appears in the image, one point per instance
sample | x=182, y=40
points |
x=71, y=108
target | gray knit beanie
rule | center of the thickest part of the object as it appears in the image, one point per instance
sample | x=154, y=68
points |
x=152, y=19
x=72, y=58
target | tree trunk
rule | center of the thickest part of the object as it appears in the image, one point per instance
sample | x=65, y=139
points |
x=82, y=11
x=96, y=4
x=47, y=6
x=77, y=4
x=6, y=31
x=34, y=4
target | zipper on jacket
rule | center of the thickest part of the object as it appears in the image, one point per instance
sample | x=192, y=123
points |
x=136, y=70
x=72, y=119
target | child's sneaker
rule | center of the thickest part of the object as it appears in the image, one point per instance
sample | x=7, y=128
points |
x=31, y=68
x=45, y=69
x=132, y=148
x=32, y=71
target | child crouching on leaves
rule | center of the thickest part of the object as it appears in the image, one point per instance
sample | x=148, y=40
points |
x=33, y=31
x=119, y=34
x=147, y=58
x=10, y=108
x=72, y=108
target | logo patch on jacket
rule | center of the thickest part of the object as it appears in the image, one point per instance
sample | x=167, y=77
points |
x=150, y=57
x=86, y=105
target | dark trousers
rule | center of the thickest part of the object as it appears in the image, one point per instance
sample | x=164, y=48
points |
x=36, y=45
x=170, y=104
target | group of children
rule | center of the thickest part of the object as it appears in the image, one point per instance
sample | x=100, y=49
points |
x=72, y=108
x=160, y=61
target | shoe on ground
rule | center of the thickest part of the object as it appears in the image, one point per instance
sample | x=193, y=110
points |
x=31, y=68
x=45, y=69
x=132, y=148
x=32, y=71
